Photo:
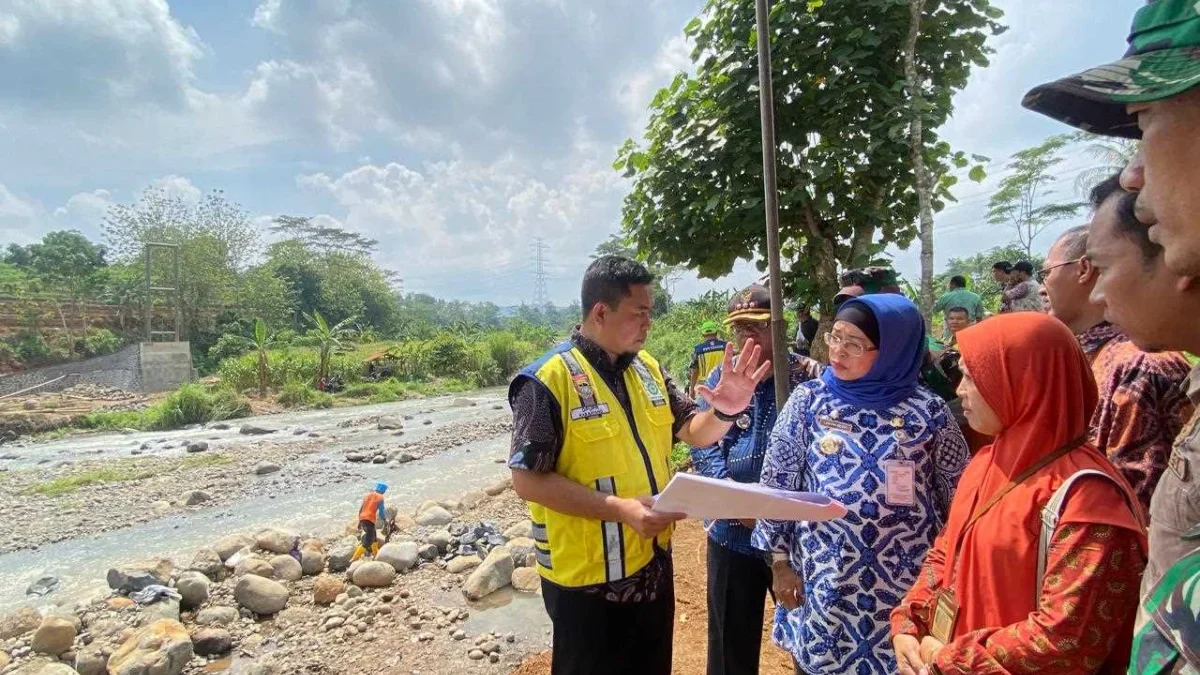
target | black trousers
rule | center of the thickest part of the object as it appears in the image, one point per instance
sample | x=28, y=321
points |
x=737, y=591
x=368, y=536
x=593, y=636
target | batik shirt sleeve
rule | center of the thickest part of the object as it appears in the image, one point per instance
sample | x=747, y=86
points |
x=783, y=468
x=950, y=456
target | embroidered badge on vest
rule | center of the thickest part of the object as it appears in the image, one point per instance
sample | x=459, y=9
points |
x=588, y=409
x=651, y=387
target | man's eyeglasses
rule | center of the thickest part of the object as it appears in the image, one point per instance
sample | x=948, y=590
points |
x=849, y=346
x=1045, y=271
x=751, y=327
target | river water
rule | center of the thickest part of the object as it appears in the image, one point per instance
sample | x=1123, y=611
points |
x=81, y=563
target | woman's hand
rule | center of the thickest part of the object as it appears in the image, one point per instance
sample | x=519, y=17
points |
x=908, y=654
x=787, y=585
x=930, y=646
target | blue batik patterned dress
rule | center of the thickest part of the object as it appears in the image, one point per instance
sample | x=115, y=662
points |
x=858, y=568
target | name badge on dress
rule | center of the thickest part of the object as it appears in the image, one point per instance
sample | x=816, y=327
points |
x=901, y=475
x=945, y=614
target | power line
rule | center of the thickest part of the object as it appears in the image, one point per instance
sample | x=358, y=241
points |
x=540, y=297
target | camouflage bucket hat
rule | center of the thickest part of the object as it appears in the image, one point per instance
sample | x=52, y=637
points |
x=1163, y=60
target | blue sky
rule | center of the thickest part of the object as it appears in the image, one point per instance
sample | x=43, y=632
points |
x=454, y=131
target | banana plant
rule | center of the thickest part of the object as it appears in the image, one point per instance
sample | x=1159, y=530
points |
x=329, y=338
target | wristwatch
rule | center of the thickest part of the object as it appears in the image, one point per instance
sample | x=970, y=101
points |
x=727, y=418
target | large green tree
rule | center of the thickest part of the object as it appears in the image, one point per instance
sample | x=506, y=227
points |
x=1024, y=200
x=845, y=176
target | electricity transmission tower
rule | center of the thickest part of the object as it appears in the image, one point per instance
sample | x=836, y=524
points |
x=540, y=297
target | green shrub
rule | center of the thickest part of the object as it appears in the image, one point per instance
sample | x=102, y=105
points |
x=100, y=342
x=300, y=395
x=31, y=348
x=190, y=404
x=449, y=356
x=228, y=346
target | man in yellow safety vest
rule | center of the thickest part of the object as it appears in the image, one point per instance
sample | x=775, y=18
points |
x=594, y=421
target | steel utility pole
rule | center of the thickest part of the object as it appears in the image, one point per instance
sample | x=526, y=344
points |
x=766, y=106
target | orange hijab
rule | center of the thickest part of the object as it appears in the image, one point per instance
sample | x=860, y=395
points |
x=1030, y=370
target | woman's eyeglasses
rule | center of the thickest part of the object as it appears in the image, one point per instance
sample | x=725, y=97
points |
x=851, y=347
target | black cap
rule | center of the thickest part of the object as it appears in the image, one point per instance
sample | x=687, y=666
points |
x=1023, y=266
x=751, y=304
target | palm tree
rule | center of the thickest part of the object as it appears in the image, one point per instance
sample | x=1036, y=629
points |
x=262, y=343
x=1113, y=155
x=330, y=338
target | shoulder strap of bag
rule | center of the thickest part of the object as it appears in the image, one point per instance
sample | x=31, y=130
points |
x=1050, y=515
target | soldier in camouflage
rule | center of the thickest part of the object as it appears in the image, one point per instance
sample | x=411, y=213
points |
x=1154, y=94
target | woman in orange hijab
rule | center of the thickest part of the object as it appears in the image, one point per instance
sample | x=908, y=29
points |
x=976, y=607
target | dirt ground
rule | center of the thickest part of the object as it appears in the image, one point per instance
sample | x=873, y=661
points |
x=691, y=615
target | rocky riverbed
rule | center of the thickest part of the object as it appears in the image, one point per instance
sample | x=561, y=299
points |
x=71, y=499
x=282, y=602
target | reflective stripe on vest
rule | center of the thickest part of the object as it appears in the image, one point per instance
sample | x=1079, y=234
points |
x=614, y=543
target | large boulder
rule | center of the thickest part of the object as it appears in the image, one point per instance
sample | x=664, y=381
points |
x=275, y=540
x=374, y=574
x=57, y=669
x=23, y=621
x=286, y=568
x=390, y=423
x=54, y=636
x=441, y=539
x=312, y=561
x=463, y=563
x=520, y=548
x=217, y=616
x=167, y=608
x=254, y=430
x=209, y=563
x=91, y=661
x=259, y=595
x=401, y=555
x=526, y=580
x=193, y=587
x=495, y=573
x=434, y=516
x=265, y=468
x=162, y=648
x=256, y=567
x=326, y=588
x=472, y=499
x=212, y=641
x=194, y=497
x=227, y=546
x=132, y=578
x=523, y=529
x=340, y=554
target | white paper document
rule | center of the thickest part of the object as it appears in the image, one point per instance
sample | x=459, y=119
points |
x=702, y=497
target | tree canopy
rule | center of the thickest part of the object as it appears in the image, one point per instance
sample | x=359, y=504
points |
x=846, y=183
x=1022, y=199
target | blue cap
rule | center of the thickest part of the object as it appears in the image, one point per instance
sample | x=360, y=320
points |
x=381, y=488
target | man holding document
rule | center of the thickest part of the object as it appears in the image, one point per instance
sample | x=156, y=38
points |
x=738, y=574
x=594, y=421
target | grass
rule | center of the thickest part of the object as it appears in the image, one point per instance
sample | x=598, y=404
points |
x=390, y=390
x=67, y=484
x=681, y=456
x=122, y=473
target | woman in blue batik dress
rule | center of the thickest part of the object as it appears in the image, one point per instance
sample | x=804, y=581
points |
x=867, y=434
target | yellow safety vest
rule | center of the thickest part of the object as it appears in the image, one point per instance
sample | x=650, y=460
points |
x=607, y=451
x=709, y=355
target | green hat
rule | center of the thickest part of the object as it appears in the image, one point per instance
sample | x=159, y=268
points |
x=709, y=328
x=1163, y=61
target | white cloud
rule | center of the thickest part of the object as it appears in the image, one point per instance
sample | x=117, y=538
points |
x=85, y=209
x=177, y=187
x=17, y=217
x=72, y=54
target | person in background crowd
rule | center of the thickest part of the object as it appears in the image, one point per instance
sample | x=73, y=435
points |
x=1023, y=293
x=738, y=576
x=806, y=330
x=1002, y=273
x=957, y=319
x=372, y=514
x=1157, y=309
x=594, y=422
x=866, y=433
x=706, y=356
x=959, y=297
x=1153, y=93
x=1142, y=407
x=980, y=606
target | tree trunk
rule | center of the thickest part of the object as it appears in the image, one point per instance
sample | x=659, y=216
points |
x=916, y=144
